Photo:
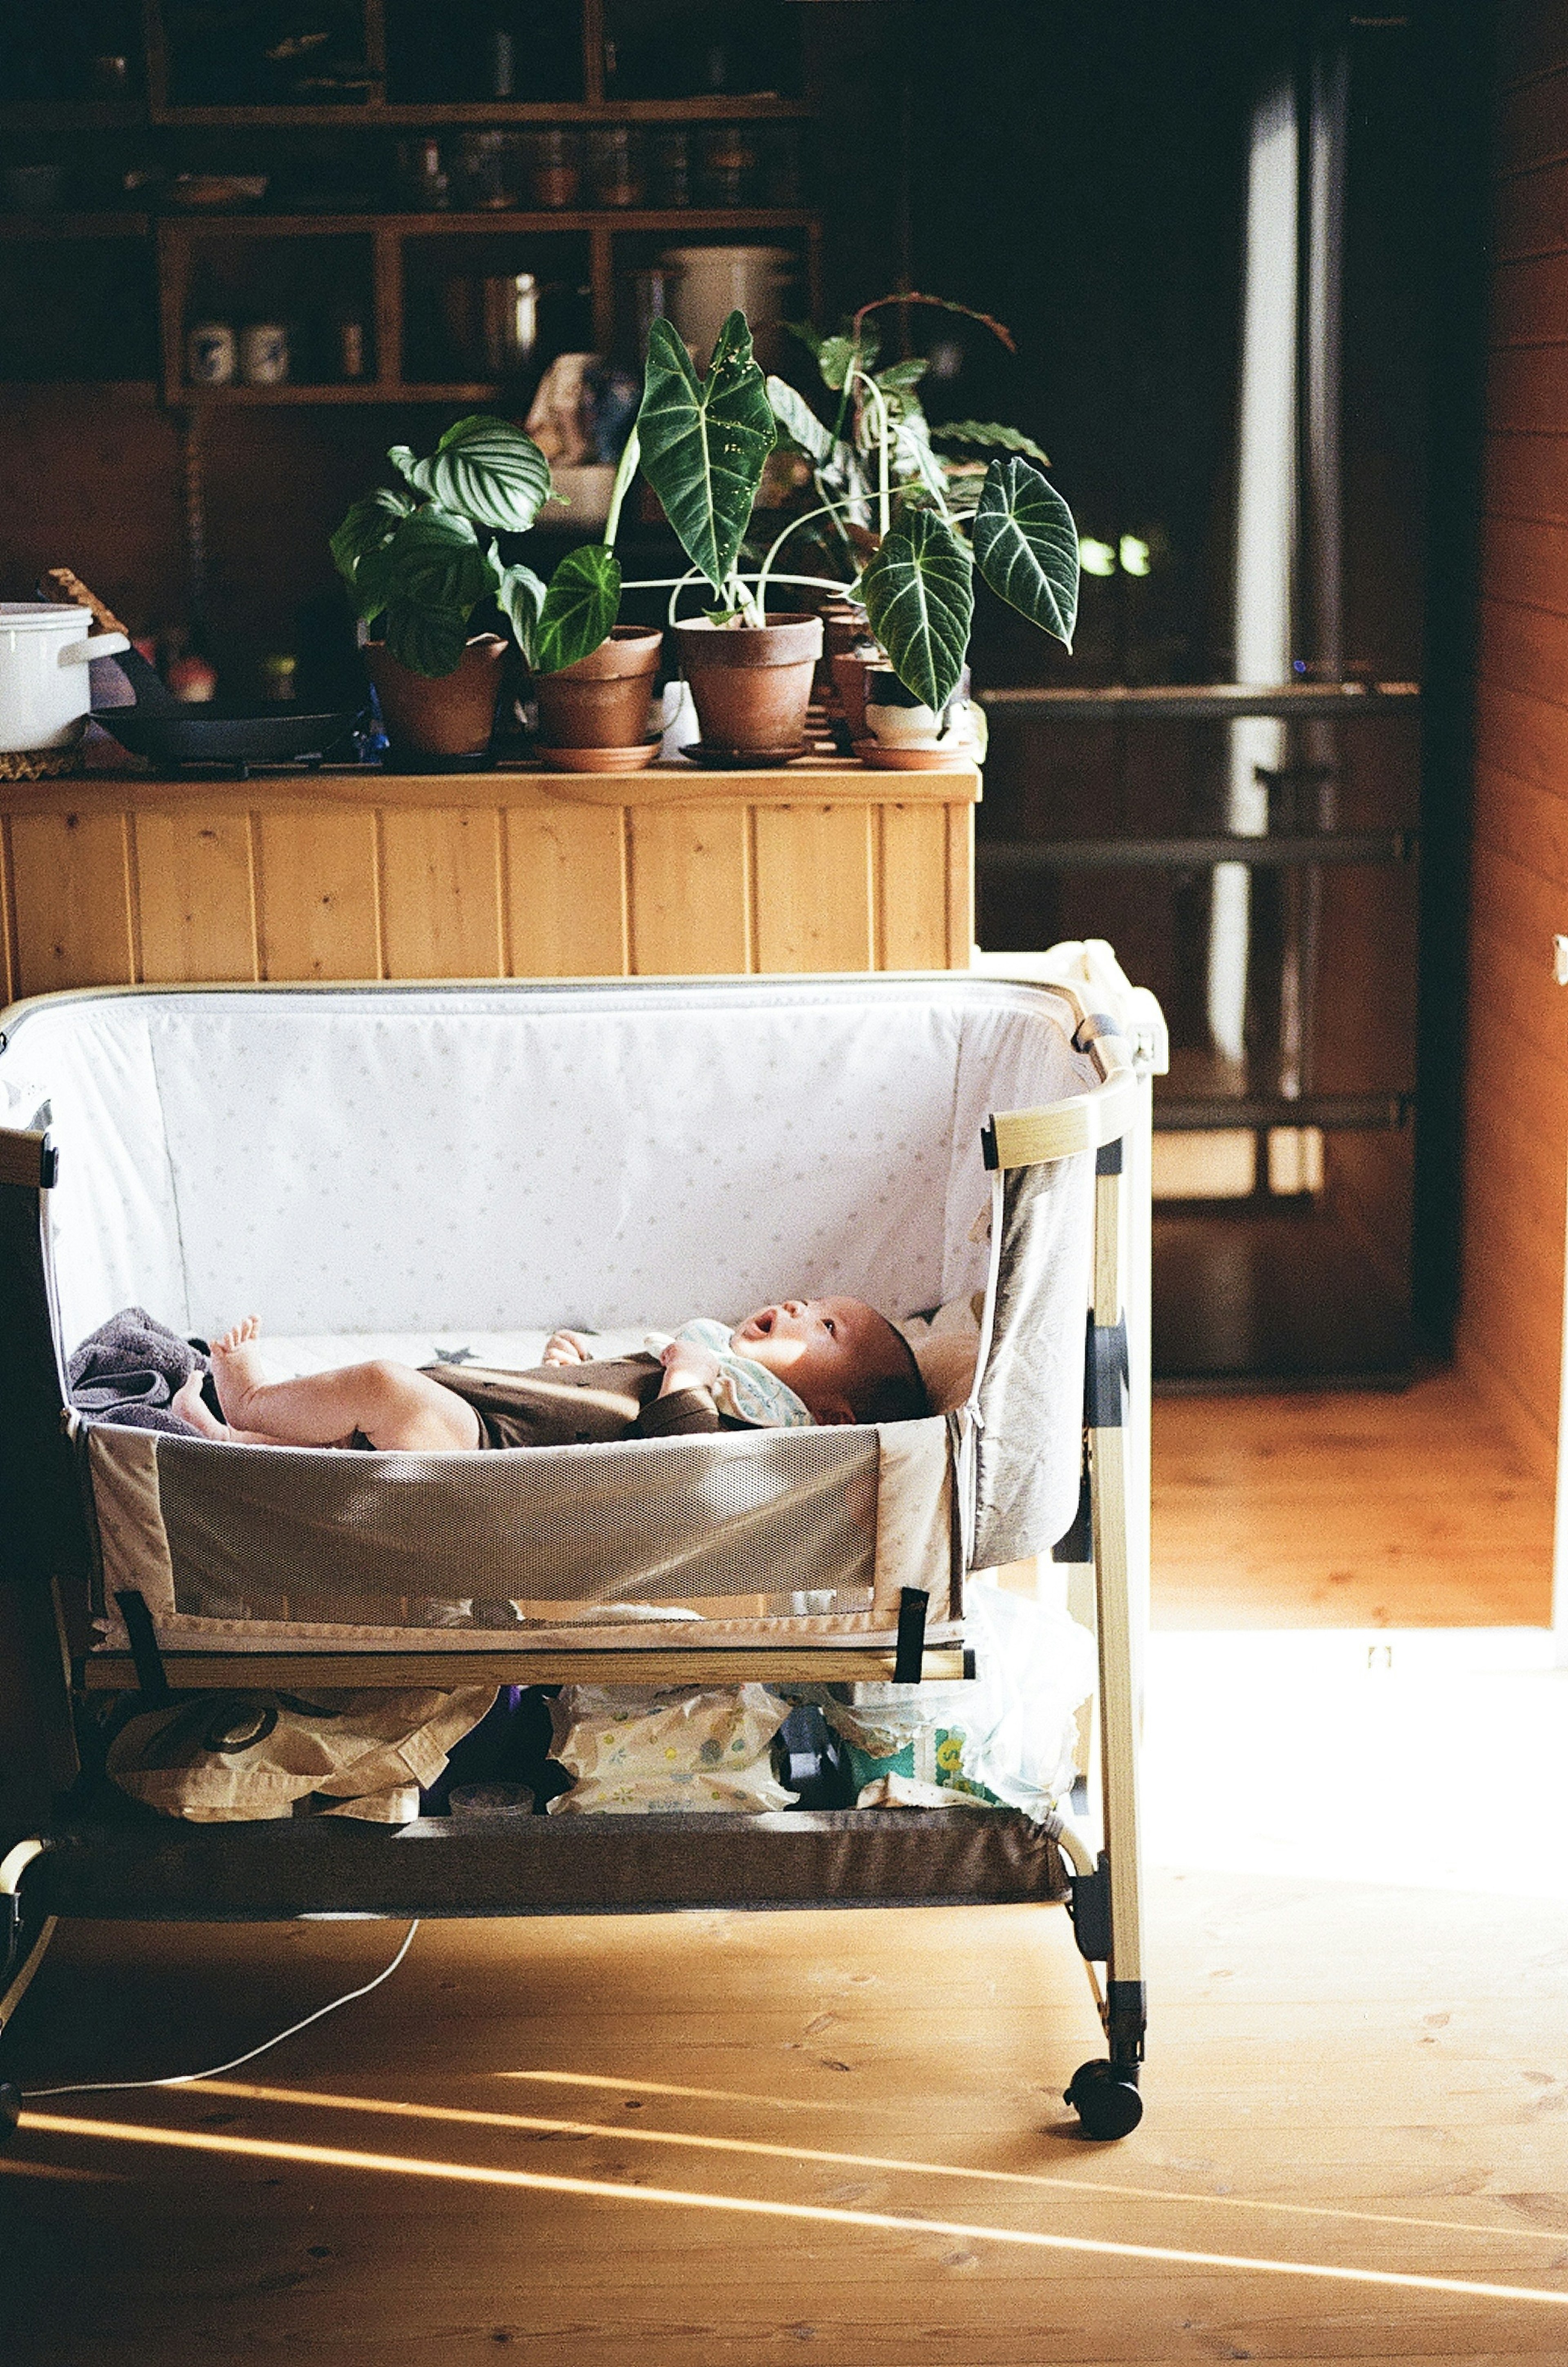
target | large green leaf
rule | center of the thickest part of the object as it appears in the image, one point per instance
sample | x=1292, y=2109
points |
x=1026, y=547
x=427, y=640
x=992, y=434
x=705, y=445
x=579, y=607
x=369, y=525
x=799, y=422
x=919, y=594
x=433, y=559
x=520, y=595
x=484, y=468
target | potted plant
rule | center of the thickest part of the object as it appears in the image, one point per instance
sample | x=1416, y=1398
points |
x=418, y=570
x=703, y=444
x=593, y=677
x=913, y=527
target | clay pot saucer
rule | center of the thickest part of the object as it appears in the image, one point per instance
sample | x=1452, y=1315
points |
x=602, y=760
x=911, y=760
x=744, y=760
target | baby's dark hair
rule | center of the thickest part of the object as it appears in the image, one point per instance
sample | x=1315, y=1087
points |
x=898, y=1396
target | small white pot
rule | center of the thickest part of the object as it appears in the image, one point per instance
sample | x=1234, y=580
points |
x=45, y=692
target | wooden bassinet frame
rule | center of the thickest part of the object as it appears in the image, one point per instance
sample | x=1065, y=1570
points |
x=53, y=1861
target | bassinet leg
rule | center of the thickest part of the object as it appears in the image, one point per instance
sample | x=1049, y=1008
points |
x=1107, y=1904
x=23, y=1940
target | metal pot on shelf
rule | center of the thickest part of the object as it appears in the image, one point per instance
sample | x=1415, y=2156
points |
x=708, y=283
x=46, y=648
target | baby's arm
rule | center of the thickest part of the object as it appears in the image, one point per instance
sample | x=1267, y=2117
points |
x=687, y=1367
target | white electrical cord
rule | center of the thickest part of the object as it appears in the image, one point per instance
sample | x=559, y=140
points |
x=185, y=2078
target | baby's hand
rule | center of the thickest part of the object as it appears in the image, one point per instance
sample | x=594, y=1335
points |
x=566, y=1348
x=687, y=1367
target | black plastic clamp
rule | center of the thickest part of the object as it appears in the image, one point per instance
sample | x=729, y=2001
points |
x=1089, y=1904
x=1105, y=1380
x=152, y=1678
x=909, y=1660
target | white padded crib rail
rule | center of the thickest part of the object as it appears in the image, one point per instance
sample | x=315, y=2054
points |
x=594, y=1156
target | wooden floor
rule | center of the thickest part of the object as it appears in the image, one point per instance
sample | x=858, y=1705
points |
x=714, y=2140
x=1370, y=1510
x=709, y=2141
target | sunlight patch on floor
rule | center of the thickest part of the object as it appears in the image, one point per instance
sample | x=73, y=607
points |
x=1434, y=1757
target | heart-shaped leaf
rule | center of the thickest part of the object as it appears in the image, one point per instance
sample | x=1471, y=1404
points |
x=799, y=422
x=919, y=594
x=520, y=595
x=902, y=377
x=369, y=525
x=427, y=640
x=579, y=607
x=1026, y=547
x=991, y=434
x=705, y=445
x=434, y=557
x=485, y=469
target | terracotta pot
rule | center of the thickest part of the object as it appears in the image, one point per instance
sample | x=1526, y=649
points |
x=602, y=700
x=751, y=684
x=843, y=624
x=441, y=715
x=848, y=680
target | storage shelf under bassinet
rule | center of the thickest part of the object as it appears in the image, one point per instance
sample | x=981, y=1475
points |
x=544, y=1865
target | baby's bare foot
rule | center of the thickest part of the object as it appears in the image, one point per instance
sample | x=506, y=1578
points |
x=237, y=1368
x=188, y=1403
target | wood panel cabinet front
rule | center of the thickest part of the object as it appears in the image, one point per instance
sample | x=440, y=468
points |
x=110, y=881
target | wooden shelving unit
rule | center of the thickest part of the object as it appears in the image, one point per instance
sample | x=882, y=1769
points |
x=183, y=241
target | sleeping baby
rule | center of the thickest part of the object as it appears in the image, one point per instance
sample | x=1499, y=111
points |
x=802, y=1362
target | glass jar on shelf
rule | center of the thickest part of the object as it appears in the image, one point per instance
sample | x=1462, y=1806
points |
x=423, y=182
x=671, y=158
x=728, y=162
x=557, y=169
x=615, y=166
x=489, y=171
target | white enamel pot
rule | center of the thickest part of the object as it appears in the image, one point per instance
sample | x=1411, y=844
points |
x=45, y=690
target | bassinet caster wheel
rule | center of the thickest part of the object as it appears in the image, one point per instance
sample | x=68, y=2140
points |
x=1106, y=2100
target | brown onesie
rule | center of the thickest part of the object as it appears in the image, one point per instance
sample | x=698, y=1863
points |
x=579, y=1405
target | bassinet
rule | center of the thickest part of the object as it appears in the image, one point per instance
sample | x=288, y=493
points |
x=440, y=1169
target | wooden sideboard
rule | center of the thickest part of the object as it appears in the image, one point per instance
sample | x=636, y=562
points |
x=111, y=878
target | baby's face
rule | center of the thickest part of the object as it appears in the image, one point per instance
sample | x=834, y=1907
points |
x=826, y=1350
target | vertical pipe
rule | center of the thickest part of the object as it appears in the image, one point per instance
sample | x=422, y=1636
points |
x=1265, y=541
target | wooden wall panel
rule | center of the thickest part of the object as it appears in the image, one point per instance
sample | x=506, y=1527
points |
x=913, y=874
x=197, y=896
x=317, y=895
x=1516, y=1076
x=691, y=886
x=815, y=889
x=74, y=900
x=1529, y=299
x=566, y=887
x=1526, y=476
x=1532, y=212
x=441, y=892
x=9, y=981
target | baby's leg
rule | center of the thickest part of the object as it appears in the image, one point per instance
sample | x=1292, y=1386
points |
x=390, y=1404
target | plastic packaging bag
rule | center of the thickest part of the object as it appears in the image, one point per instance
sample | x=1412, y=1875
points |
x=632, y=1752
x=1005, y=1737
x=230, y=1758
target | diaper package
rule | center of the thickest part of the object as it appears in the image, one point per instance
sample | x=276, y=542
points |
x=631, y=1751
x=1005, y=1737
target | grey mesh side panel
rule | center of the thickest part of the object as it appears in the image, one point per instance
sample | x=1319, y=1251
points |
x=301, y=1535
x=1032, y=1393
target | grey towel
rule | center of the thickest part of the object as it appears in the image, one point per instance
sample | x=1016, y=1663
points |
x=128, y=1369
